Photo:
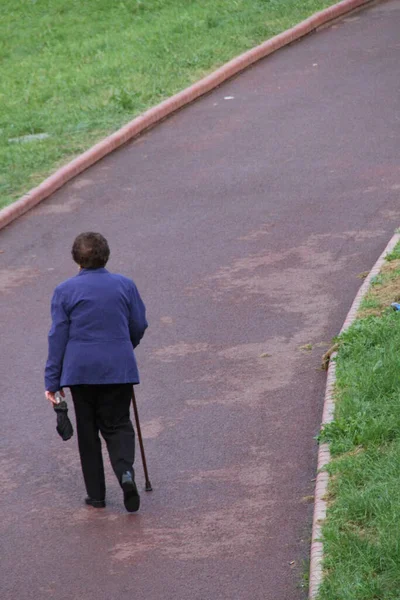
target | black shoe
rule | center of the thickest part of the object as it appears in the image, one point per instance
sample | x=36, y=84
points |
x=95, y=503
x=131, y=494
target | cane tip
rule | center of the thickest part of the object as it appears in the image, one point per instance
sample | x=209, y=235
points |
x=148, y=487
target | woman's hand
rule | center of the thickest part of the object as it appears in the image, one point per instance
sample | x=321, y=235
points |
x=51, y=396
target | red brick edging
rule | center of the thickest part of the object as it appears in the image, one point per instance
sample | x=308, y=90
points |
x=321, y=486
x=166, y=108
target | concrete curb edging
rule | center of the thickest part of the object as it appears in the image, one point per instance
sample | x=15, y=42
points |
x=321, y=486
x=167, y=107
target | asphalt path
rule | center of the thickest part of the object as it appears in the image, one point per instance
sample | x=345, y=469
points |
x=245, y=221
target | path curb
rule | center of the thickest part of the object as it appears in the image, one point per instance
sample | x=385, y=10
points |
x=322, y=481
x=164, y=109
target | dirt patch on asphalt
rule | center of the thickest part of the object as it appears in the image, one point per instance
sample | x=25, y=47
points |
x=13, y=278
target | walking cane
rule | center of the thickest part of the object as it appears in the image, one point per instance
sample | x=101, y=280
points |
x=148, y=487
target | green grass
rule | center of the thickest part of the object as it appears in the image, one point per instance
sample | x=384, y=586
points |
x=361, y=534
x=78, y=70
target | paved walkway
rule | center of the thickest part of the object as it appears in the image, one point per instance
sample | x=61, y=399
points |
x=245, y=222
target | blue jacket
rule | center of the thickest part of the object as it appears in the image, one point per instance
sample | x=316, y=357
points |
x=97, y=319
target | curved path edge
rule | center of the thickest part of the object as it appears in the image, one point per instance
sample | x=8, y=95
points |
x=322, y=481
x=167, y=107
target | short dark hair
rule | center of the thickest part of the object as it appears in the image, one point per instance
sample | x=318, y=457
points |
x=90, y=250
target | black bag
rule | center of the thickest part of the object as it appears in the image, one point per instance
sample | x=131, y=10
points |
x=64, y=425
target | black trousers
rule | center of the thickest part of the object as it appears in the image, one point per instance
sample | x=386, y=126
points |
x=104, y=409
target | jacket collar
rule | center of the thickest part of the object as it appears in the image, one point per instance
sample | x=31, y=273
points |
x=90, y=271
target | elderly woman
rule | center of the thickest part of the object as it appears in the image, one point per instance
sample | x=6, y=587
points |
x=98, y=318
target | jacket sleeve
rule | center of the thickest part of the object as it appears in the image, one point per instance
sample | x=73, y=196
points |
x=58, y=338
x=137, y=317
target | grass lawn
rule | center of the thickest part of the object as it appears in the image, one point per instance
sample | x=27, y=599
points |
x=362, y=532
x=78, y=70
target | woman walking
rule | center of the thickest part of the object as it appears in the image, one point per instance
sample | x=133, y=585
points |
x=98, y=318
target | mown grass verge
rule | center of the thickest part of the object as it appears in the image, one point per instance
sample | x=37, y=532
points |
x=361, y=534
x=76, y=71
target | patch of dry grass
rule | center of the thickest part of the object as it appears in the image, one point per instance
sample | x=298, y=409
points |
x=384, y=290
